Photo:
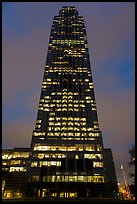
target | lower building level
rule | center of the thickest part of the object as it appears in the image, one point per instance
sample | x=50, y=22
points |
x=71, y=178
x=18, y=185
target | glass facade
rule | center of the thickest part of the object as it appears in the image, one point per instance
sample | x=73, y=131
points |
x=66, y=158
x=67, y=142
x=15, y=164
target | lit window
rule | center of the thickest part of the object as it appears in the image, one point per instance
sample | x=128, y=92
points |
x=41, y=148
x=35, y=178
x=15, y=162
x=90, y=148
x=70, y=129
x=47, y=97
x=48, y=79
x=99, y=147
x=88, y=97
x=38, y=121
x=34, y=164
x=39, y=133
x=97, y=164
x=94, y=109
x=40, y=156
x=77, y=134
x=76, y=156
x=96, y=126
x=50, y=163
x=12, y=169
x=38, y=126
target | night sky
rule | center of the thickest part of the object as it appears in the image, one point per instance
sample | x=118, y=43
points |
x=110, y=28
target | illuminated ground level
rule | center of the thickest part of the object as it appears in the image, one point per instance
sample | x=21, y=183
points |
x=90, y=200
x=58, y=190
x=67, y=190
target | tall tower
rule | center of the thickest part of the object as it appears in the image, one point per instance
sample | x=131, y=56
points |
x=67, y=148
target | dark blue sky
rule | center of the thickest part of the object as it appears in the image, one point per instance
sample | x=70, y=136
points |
x=110, y=30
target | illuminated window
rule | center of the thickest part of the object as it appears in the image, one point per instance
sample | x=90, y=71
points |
x=99, y=148
x=94, y=109
x=6, y=156
x=15, y=162
x=88, y=97
x=50, y=163
x=70, y=133
x=4, y=163
x=46, y=97
x=93, y=156
x=48, y=79
x=80, y=178
x=40, y=156
x=38, y=126
x=76, y=156
x=97, y=164
x=35, y=178
x=77, y=134
x=57, y=129
x=38, y=121
x=39, y=133
x=83, y=129
x=40, y=108
x=12, y=169
x=90, y=148
x=34, y=164
x=96, y=126
x=46, y=109
x=50, y=119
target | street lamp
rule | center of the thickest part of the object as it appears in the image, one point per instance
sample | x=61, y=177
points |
x=126, y=185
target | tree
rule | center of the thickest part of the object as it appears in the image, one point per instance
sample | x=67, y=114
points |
x=132, y=160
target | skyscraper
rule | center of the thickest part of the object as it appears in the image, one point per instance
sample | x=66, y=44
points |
x=67, y=149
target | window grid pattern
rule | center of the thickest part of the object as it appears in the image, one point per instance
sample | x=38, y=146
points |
x=67, y=128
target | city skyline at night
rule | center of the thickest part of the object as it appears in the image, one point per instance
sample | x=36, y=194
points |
x=108, y=97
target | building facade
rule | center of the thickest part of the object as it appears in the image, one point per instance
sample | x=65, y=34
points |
x=15, y=166
x=66, y=154
x=110, y=174
x=67, y=147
